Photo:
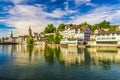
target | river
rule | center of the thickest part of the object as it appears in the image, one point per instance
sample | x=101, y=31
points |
x=21, y=62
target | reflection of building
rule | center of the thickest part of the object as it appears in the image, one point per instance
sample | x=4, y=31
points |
x=28, y=55
x=104, y=54
x=71, y=56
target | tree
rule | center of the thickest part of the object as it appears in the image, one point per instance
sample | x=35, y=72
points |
x=104, y=24
x=30, y=41
x=0, y=40
x=57, y=38
x=84, y=24
x=61, y=27
x=113, y=28
x=93, y=27
x=54, y=38
x=50, y=28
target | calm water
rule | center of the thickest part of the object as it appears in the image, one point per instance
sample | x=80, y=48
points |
x=20, y=62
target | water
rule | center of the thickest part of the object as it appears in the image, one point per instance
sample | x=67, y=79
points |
x=20, y=62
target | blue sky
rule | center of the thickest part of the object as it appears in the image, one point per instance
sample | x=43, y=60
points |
x=18, y=15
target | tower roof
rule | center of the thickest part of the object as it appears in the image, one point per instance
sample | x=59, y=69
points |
x=11, y=35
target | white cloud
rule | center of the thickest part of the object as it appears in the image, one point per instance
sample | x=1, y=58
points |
x=17, y=1
x=82, y=1
x=21, y=16
x=109, y=13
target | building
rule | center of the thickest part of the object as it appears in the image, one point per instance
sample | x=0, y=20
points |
x=70, y=31
x=105, y=38
x=82, y=34
x=36, y=36
x=92, y=41
x=10, y=40
x=30, y=32
x=108, y=38
x=22, y=39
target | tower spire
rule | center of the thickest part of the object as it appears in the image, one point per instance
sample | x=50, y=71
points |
x=30, y=32
x=11, y=35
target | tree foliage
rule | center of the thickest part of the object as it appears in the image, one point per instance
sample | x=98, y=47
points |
x=61, y=27
x=50, y=28
x=103, y=25
x=30, y=41
x=57, y=38
x=54, y=38
x=84, y=24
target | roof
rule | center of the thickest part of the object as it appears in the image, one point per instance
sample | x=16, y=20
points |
x=108, y=32
x=83, y=28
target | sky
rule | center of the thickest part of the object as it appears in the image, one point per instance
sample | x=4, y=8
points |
x=18, y=15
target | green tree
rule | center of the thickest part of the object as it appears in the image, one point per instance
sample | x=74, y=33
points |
x=61, y=27
x=54, y=38
x=50, y=28
x=30, y=50
x=0, y=40
x=114, y=28
x=84, y=24
x=30, y=41
x=57, y=38
x=93, y=27
x=104, y=24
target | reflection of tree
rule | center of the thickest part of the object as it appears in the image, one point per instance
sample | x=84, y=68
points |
x=51, y=54
x=104, y=57
x=13, y=49
x=30, y=49
x=57, y=53
x=106, y=64
x=87, y=58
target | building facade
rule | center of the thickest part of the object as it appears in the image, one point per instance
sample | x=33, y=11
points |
x=82, y=34
x=108, y=38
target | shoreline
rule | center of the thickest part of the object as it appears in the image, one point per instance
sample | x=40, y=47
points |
x=65, y=45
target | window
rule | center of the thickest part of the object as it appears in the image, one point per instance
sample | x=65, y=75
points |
x=113, y=34
x=103, y=35
x=113, y=38
x=118, y=34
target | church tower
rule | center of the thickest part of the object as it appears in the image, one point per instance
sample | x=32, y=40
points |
x=11, y=35
x=30, y=32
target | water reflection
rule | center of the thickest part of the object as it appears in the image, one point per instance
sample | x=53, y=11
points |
x=86, y=57
x=102, y=57
x=30, y=50
x=37, y=62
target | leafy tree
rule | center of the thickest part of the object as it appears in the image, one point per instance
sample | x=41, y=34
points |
x=30, y=41
x=104, y=24
x=54, y=38
x=93, y=27
x=84, y=24
x=61, y=27
x=0, y=40
x=113, y=28
x=57, y=38
x=50, y=28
